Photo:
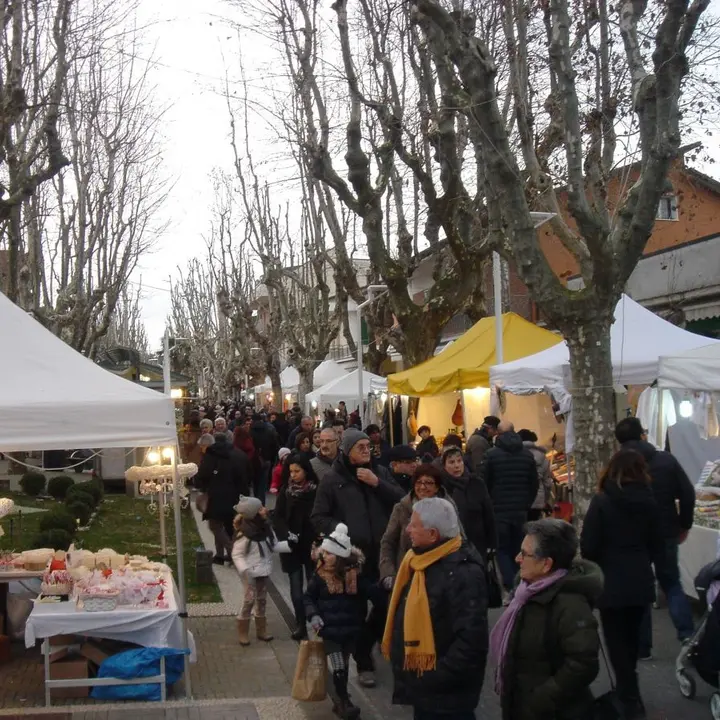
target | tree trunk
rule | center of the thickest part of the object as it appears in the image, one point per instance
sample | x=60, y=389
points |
x=593, y=408
x=306, y=383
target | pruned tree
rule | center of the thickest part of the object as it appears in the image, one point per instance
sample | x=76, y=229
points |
x=403, y=154
x=614, y=72
x=82, y=234
x=127, y=328
x=297, y=268
x=33, y=80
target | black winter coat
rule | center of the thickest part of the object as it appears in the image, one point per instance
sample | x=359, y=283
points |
x=292, y=515
x=552, y=655
x=342, y=498
x=670, y=486
x=621, y=534
x=510, y=474
x=429, y=447
x=404, y=481
x=224, y=474
x=475, y=510
x=265, y=441
x=457, y=594
x=343, y=615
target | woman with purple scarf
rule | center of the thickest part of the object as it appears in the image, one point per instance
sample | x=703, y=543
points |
x=545, y=646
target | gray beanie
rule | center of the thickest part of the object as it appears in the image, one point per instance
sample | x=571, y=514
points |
x=248, y=507
x=351, y=437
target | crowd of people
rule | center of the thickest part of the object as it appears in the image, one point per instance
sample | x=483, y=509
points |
x=396, y=546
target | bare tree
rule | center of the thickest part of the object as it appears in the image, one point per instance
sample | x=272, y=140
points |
x=126, y=325
x=32, y=83
x=86, y=231
x=569, y=127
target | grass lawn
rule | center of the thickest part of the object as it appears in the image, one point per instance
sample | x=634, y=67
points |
x=123, y=524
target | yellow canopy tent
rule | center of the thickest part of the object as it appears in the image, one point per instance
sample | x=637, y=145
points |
x=465, y=364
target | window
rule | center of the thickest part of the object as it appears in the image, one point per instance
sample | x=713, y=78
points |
x=667, y=208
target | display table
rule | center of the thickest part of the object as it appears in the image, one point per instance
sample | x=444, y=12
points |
x=701, y=547
x=149, y=627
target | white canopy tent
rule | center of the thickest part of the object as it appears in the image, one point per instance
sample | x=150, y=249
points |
x=54, y=398
x=697, y=369
x=638, y=338
x=345, y=388
x=290, y=378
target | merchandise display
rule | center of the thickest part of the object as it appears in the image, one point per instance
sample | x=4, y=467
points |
x=707, y=496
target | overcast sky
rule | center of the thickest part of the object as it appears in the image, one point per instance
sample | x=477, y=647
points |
x=194, y=46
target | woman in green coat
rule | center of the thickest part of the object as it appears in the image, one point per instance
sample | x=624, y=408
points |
x=545, y=646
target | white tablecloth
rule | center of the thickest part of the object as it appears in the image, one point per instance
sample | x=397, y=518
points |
x=701, y=547
x=149, y=627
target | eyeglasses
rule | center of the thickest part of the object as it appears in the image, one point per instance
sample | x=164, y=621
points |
x=363, y=447
x=524, y=555
x=425, y=483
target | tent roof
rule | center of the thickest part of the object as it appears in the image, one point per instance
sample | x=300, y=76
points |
x=52, y=397
x=697, y=369
x=466, y=363
x=638, y=337
x=326, y=371
x=346, y=388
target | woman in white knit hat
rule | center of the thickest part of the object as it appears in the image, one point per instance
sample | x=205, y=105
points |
x=335, y=605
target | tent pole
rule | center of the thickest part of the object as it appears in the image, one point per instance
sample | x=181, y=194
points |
x=163, y=531
x=390, y=417
x=497, y=296
x=659, y=439
x=465, y=423
x=179, y=548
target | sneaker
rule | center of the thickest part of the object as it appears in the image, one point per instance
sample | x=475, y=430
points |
x=645, y=656
x=367, y=679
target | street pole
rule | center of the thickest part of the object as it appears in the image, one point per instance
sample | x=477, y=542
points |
x=497, y=294
x=370, y=289
x=166, y=390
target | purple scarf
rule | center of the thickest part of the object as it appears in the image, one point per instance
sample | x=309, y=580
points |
x=500, y=635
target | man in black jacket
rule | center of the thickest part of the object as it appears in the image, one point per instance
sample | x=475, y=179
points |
x=361, y=496
x=403, y=463
x=454, y=583
x=510, y=473
x=224, y=475
x=675, y=497
x=266, y=447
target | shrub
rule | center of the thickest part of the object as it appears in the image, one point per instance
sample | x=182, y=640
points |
x=32, y=483
x=59, y=485
x=80, y=511
x=92, y=487
x=55, y=538
x=58, y=519
x=77, y=493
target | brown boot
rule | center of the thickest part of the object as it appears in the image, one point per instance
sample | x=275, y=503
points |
x=243, y=627
x=261, y=629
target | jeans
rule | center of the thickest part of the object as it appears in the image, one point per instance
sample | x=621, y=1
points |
x=223, y=541
x=667, y=573
x=621, y=628
x=510, y=537
x=425, y=715
x=297, y=592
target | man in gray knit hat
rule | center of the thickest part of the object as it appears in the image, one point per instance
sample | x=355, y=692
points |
x=362, y=496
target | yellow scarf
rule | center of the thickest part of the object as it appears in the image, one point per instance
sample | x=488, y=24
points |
x=419, y=638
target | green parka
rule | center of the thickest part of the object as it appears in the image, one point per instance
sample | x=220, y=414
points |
x=552, y=655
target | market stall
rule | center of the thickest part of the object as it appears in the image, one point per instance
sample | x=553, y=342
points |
x=52, y=397
x=692, y=379
x=460, y=373
x=344, y=388
x=325, y=372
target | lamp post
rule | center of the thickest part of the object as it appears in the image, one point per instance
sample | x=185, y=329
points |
x=539, y=218
x=382, y=289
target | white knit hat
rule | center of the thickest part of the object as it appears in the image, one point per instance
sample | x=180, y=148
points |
x=338, y=542
x=283, y=452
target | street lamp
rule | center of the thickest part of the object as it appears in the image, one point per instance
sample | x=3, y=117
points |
x=382, y=289
x=539, y=218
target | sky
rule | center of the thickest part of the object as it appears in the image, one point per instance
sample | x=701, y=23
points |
x=193, y=45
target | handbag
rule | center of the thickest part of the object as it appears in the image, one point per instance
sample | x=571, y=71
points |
x=493, y=583
x=310, y=672
x=607, y=706
x=201, y=502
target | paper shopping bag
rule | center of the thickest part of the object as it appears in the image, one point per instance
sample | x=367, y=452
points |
x=310, y=672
